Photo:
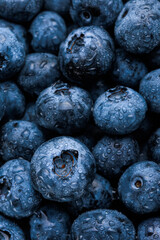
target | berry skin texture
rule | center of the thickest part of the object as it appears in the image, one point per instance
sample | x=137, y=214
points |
x=101, y=13
x=39, y=72
x=20, y=139
x=2, y=104
x=137, y=28
x=149, y=229
x=20, y=11
x=154, y=146
x=59, y=6
x=87, y=53
x=48, y=30
x=18, y=30
x=63, y=108
x=62, y=168
x=12, y=54
x=97, y=196
x=50, y=222
x=139, y=187
x=18, y=199
x=150, y=90
x=102, y=224
x=119, y=110
x=14, y=100
x=128, y=70
x=10, y=230
x=114, y=155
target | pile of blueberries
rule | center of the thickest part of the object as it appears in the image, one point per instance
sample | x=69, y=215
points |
x=79, y=120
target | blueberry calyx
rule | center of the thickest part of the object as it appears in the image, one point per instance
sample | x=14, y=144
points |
x=78, y=41
x=137, y=183
x=63, y=164
x=117, y=93
x=5, y=187
x=3, y=61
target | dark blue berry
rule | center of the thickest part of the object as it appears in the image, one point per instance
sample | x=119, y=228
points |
x=87, y=53
x=9, y=230
x=18, y=199
x=62, y=168
x=48, y=30
x=14, y=100
x=97, y=196
x=154, y=146
x=100, y=13
x=20, y=11
x=12, y=53
x=102, y=224
x=20, y=139
x=63, y=108
x=114, y=155
x=150, y=90
x=149, y=229
x=39, y=72
x=50, y=222
x=137, y=28
x=119, y=111
x=127, y=69
x=139, y=187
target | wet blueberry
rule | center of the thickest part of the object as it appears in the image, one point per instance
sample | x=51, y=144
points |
x=149, y=229
x=100, y=13
x=50, y=222
x=18, y=199
x=62, y=169
x=139, y=187
x=102, y=224
x=87, y=53
x=48, y=30
x=119, y=110
x=63, y=108
x=20, y=139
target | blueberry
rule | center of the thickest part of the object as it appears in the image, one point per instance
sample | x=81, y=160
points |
x=139, y=187
x=119, y=110
x=20, y=11
x=154, y=146
x=149, y=229
x=18, y=30
x=87, y=53
x=20, y=139
x=114, y=155
x=12, y=53
x=14, y=100
x=18, y=199
x=10, y=230
x=30, y=113
x=62, y=168
x=47, y=30
x=97, y=196
x=2, y=104
x=128, y=70
x=50, y=222
x=63, y=108
x=150, y=90
x=100, y=13
x=39, y=72
x=59, y=6
x=137, y=28
x=102, y=224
